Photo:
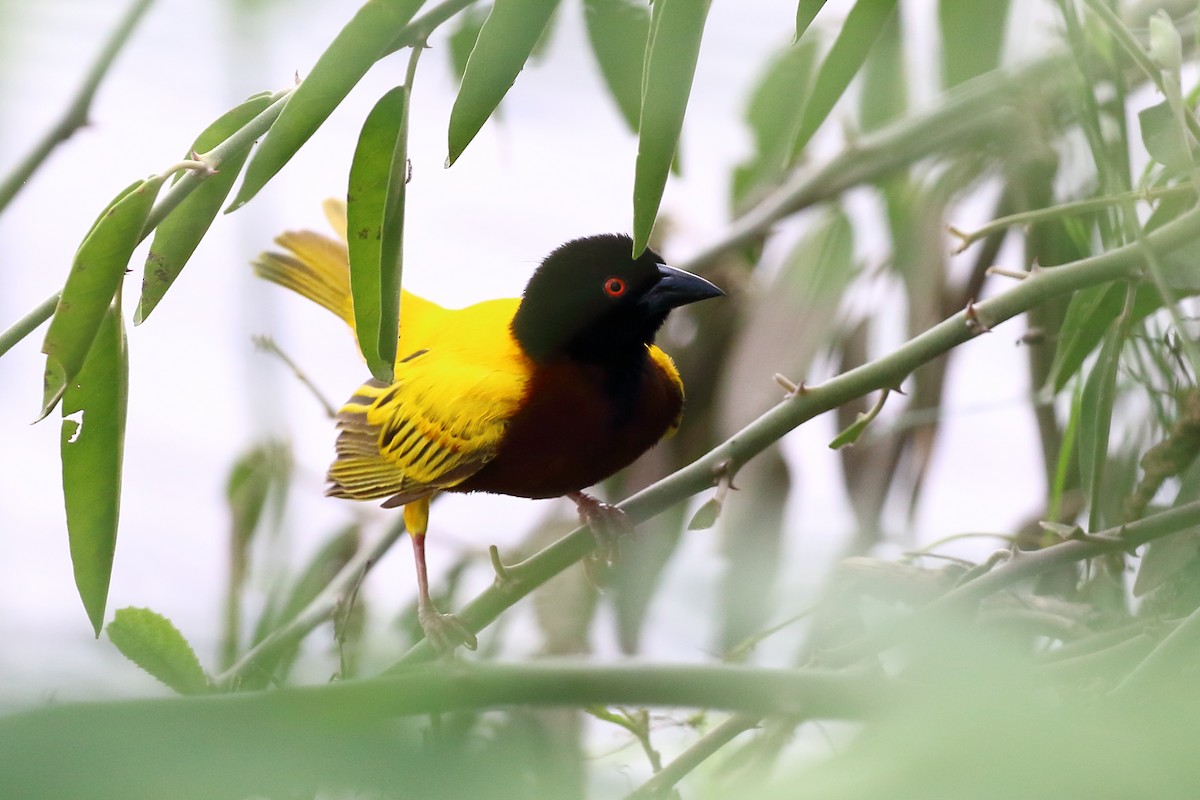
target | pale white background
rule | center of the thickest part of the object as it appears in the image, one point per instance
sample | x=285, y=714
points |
x=559, y=165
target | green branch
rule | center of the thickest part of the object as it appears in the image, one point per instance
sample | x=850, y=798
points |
x=76, y=115
x=1022, y=566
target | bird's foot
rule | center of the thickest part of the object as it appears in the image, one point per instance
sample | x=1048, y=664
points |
x=444, y=631
x=608, y=523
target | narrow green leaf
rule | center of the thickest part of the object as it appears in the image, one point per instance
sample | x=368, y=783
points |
x=773, y=115
x=363, y=41
x=972, y=38
x=1095, y=420
x=806, y=12
x=852, y=432
x=177, y=236
x=464, y=36
x=95, y=276
x=505, y=42
x=705, y=516
x=1163, y=137
x=677, y=27
x=149, y=640
x=618, y=30
x=255, y=475
x=374, y=230
x=92, y=446
x=863, y=25
x=1088, y=318
x=885, y=81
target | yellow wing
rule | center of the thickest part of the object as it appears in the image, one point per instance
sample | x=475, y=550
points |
x=317, y=267
x=442, y=418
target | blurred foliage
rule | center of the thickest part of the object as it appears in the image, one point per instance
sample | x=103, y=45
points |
x=1060, y=664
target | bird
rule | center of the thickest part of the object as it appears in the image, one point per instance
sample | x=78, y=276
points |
x=539, y=396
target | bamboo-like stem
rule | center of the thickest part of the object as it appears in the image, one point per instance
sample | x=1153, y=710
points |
x=28, y=323
x=694, y=756
x=76, y=114
x=442, y=688
x=887, y=372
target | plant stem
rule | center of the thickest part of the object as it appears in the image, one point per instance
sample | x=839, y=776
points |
x=318, y=610
x=76, y=114
x=28, y=323
x=694, y=756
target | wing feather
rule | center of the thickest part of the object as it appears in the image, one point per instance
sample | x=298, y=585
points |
x=439, y=422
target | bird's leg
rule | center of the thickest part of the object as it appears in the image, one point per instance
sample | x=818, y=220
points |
x=608, y=523
x=443, y=631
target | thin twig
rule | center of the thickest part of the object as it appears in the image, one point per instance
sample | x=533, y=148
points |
x=318, y=610
x=76, y=114
x=687, y=761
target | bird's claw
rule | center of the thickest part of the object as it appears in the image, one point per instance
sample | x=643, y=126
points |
x=608, y=524
x=444, y=631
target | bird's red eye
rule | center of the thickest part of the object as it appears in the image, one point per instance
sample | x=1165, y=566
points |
x=614, y=287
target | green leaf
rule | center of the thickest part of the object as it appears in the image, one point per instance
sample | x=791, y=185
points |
x=1095, y=420
x=672, y=49
x=464, y=36
x=95, y=276
x=375, y=230
x=1163, y=137
x=507, y=39
x=1088, y=318
x=177, y=236
x=972, y=38
x=92, y=443
x=806, y=12
x=149, y=640
x=863, y=25
x=254, y=476
x=705, y=516
x=363, y=41
x=885, y=82
x=617, y=30
x=773, y=115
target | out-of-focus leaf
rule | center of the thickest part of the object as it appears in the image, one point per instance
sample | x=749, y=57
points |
x=464, y=36
x=178, y=235
x=774, y=117
x=92, y=445
x=149, y=640
x=505, y=42
x=285, y=604
x=617, y=30
x=885, y=79
x=806, y=12
x=972, y=38
x=1163, y=137
x=95, y=276
x=1089, y=316
x=1166, y=557
x=676, y=27
x=258, y=473
x=358, y=46
x=1095, y=418
x=863, y=25
x=375, y=230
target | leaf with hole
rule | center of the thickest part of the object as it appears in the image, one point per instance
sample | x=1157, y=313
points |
x=96, y=273
x=92, y=443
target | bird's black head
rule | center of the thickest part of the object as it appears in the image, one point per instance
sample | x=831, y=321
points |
x=592, y=301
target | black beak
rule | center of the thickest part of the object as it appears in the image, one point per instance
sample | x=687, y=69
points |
x=677, y=288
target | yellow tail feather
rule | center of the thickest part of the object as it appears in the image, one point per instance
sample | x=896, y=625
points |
x=317, y=268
